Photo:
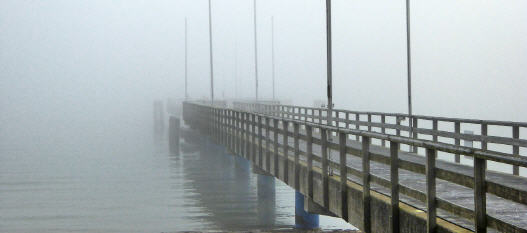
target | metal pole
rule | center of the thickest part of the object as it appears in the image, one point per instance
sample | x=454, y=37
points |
x=272, y=54
x=329, y=61
x=186, y=60
x=329, y=67
x=211, y=64
x=409, y=66
x=255, y=52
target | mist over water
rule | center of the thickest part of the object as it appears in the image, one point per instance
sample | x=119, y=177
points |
x=78, y=78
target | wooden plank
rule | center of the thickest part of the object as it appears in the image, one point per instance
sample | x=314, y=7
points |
x=394, y=182
x=480, y=199
x=431, y=191
x=343, y=176
x=366, y=198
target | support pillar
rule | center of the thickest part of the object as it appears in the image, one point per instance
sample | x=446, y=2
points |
x=266, y=199
x=303, y=219
x=173, y=135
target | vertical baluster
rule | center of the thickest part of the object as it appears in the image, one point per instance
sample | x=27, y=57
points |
x=267, y=146
x=383, y=129
x=369, y=122
x=480, y=199
x=394, y=182
x=457, y=128
x=297, y=155
x=309, y=151
x=260, y=140
x=398, y=123
x=253, y=138
x=434, y=128
x=357, y=126
x=515, y=149
x=275, y=142
x=430, y=190
x=415, y=135
x=325, y=178
x=285, y=131
x=347, y=120
x=366, y=183
x=247, y=138
x=343, y=176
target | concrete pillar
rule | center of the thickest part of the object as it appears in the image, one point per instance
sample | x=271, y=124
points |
x=266, y=199
x=173, y=135
x=303, y=219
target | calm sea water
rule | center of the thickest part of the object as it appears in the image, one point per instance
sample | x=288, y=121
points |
x=136, y=187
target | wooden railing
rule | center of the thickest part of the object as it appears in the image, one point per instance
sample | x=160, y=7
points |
x=440, y=129
x=228, y=126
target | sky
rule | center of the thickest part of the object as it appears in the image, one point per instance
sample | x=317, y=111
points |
x=91, y=69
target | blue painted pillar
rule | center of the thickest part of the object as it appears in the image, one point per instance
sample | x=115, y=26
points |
x=303, y=219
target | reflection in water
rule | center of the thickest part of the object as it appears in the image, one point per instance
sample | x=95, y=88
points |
x=135, y=187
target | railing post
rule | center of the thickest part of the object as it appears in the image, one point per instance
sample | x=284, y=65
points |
x=267, y=146
x=247, y=137
x=275, y=142
x=480, y=199
x=357, y=126
x=369, y=122
x=253, y=140
x=383, y=129
x=285, y=129
x=430, y=190
x=366, y=199
x=297, y=155
x=260, y=140
x=237, y=133
x=394, y=182
x=325, y=178
x=309, y=151
x=515, y=149
x=457, y=128
x=343, y=176
x=484, y=129
x=434, y=128
x=414, y=131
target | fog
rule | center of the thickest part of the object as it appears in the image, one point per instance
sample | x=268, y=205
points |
x=82, y=76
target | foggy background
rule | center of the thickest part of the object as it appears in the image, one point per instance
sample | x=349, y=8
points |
x=83, y=74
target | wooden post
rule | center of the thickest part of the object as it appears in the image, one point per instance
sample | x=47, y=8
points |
x=285, y=129
x=343, y=176
x=267, y=146
x=383, y=129
x=275, y=142
x=457, y=128
x=515, y=149
x=480, y=199
x=325, y=178
x=434, y=128
x=297, y=155
x=430, y=190
x=309, y=150
x=260, y=140
x=414, y=130
x=357, y=126
x=366, y=183
x=253, y=140
x=394, y=181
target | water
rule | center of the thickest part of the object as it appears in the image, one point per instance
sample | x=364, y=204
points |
x=135, y=187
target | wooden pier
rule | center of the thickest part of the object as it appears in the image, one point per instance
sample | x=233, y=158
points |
x=388, y=189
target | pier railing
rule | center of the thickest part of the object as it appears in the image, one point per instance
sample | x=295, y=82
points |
x=436, y=129
x=243, y=130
